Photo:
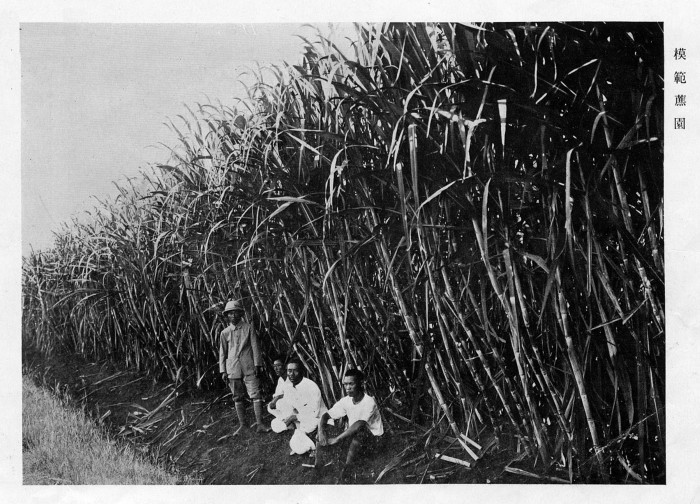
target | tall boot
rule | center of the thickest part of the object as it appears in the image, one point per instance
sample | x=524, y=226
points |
x=240, y=412
x=257, y=406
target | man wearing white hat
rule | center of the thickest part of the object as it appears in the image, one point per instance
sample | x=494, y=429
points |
x=240, y=363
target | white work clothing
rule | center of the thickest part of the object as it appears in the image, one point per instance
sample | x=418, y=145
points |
x=239, y=351
x=366, y=410
x=305, y=398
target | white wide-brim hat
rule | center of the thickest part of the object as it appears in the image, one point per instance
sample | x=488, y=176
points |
x=233, y=306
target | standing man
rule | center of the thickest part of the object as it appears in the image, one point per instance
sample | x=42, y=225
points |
x=365, y=426
x=240, y=363
x=305, y=405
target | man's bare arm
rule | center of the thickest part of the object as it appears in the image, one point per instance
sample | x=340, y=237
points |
x=322, y=440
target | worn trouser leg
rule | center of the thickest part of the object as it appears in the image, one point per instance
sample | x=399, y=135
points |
x=240, y=412
x=239, y=386
x=301, y=443
x=252, y=385
x=306, y=423
x=257, y=407
x=281, y=410
x=238, y=390
x=362, y=440
x=278, y=425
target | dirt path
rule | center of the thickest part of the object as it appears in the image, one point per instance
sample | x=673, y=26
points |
x=191, y=429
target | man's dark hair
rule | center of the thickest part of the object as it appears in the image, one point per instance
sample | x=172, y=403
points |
x=300, y=365
x=357, y=374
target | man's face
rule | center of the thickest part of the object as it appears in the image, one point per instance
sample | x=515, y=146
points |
x=234, y=316
x=352, y=386
x=294, y=373
x=278, y=365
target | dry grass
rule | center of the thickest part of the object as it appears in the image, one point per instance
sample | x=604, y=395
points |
x=62, y=446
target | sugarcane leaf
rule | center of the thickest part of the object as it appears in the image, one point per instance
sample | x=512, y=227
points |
x=294, y=199
x=537, y=260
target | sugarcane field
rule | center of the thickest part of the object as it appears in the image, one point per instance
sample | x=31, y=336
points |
x=422, y=253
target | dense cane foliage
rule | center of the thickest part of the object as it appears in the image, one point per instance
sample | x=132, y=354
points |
x=473, y=214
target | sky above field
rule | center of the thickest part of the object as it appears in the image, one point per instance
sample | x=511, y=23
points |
x=95, y=98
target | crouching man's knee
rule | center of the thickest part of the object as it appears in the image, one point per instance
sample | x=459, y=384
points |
x=359, y=426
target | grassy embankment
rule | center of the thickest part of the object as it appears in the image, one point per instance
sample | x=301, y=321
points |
x=61, y=445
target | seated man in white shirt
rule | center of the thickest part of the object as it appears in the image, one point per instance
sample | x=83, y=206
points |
x=279, y=407
x=365, y=426
x=304, y=407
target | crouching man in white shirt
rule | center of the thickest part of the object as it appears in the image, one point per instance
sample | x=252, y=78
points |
x=365, y=426
x=303, y=406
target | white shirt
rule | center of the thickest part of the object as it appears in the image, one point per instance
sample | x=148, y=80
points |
x=306, y=398
x=366, y=410
x=282, y=384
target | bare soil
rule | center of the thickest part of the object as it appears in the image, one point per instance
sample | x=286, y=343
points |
x=191, y=432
